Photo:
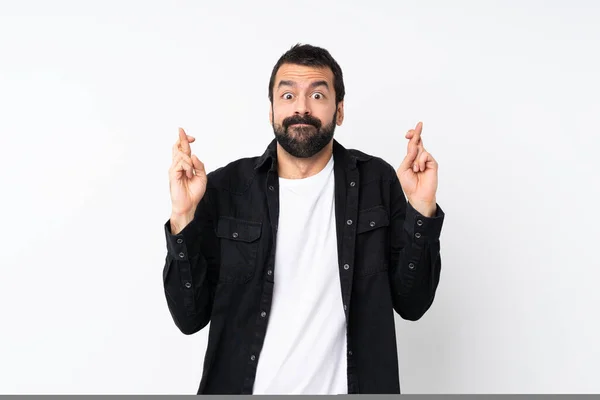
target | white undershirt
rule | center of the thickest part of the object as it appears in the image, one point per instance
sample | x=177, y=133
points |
x=305, y=345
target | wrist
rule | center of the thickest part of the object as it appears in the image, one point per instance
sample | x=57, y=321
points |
x=180, y=221
x=427, y=209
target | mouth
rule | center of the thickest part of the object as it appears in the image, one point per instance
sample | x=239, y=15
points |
x=300, y=125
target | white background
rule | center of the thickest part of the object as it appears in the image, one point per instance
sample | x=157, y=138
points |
x=92, y=93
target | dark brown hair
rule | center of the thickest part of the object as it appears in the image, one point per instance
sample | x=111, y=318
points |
x=310, y=56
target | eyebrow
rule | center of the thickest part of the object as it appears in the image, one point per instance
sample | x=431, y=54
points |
x=312, y=85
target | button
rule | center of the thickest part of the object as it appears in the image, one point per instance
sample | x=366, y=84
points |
x=271, y=188
x=350, y=353
x=417, y=235
x=372, y=223
x=346, y=266
x=349, y=222
x=419, y=222
x=345, y=308
x=235, y=234
x=352, y=184
x=179, y=240
x=188, y=285
x=253, y=357
x=269, y=272
x=181, y=255
x=411, y=266
x=263, y=314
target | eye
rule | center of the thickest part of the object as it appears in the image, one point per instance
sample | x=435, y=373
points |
x=317, y=96
x=287, y=96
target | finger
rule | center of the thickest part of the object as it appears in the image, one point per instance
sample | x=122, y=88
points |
x=420, y=152
x=418, y=127
x=198, y=166
x=419, y=142
x=176, y=158
x=417, y=132
x=188, y=169
x=175, y=149
x=422, y=159
x=179, y=161
x=182, y=162
x=177, y=146
x=428, y=162
x=431, y=162
x=179, y=169
x=415, y=148
x=181, y=155
x=184, y=143
x=411, y=155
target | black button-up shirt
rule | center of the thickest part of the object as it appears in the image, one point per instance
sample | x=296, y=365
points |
x=221, y=267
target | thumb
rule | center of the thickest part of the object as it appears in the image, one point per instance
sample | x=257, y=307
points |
x=198, y=165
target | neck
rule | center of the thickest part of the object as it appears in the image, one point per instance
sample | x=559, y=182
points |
x=290, y=167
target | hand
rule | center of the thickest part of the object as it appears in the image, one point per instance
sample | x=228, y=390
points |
x=187, y=178
x=418, y=174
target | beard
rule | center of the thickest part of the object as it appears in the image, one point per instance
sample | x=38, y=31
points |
x=307, y=140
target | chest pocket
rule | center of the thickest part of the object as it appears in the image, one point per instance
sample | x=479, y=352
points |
x=372, y=241
x=239, y=240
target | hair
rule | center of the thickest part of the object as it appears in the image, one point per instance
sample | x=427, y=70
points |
x=310, y=56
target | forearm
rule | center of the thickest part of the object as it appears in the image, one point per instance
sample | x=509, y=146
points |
x=188, y=292
x=178, y=222
x=188, y=286
x=415, y=277
x=416, y=263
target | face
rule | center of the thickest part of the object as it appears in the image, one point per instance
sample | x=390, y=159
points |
x=304, y=113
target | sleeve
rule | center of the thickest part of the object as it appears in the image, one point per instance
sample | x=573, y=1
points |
x=191, y=269
x=415, y=255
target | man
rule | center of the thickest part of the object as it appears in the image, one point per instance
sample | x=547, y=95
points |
x=297, y=258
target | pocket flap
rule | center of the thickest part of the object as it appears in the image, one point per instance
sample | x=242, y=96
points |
x=372, y=218
x=238, y=229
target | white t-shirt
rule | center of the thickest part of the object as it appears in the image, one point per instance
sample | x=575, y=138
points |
x=305, y=345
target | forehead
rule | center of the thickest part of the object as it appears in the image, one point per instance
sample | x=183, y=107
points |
x=303, y=74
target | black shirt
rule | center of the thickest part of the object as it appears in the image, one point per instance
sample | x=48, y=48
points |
x=220, y=267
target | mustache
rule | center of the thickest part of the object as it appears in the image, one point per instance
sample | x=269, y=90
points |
x=298, y=119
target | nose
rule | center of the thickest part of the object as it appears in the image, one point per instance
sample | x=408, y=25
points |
x=302, y=106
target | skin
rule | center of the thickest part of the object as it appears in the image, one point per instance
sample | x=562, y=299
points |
x=296, y=92
x=418, y=174
x=302, y=98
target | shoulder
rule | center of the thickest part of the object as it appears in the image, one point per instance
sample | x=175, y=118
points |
x=373, y=167
x=235, y=177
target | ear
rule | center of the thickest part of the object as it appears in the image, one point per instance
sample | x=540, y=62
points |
x=340, y=113
x=271, y=114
